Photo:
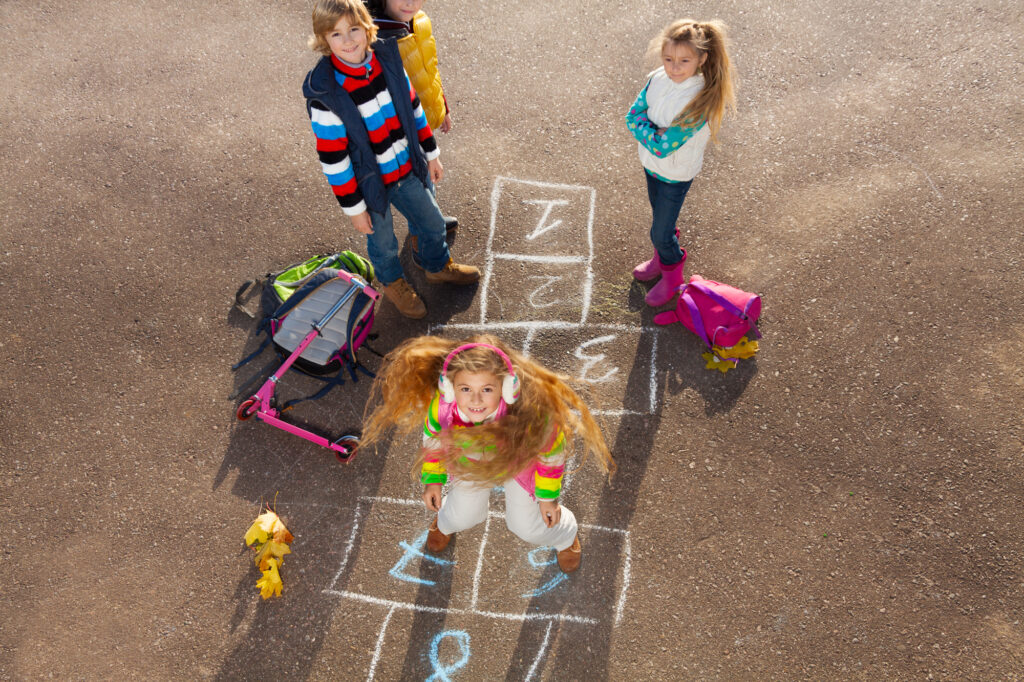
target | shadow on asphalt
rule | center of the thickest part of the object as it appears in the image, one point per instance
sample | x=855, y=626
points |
x=315, y=495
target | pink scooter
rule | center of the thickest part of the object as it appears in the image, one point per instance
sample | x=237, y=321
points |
x=318, y=338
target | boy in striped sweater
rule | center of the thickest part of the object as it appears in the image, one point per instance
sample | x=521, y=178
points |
x=376, y=148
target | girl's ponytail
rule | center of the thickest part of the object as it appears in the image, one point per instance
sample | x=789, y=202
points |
x=707, y=38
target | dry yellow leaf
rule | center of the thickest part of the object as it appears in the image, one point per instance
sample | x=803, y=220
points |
x=270, y=584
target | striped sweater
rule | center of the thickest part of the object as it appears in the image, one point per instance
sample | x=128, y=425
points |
x=543, y=479
x=365, y=85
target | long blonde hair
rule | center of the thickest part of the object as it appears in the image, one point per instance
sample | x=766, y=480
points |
x=406, y=385
x=718, y=95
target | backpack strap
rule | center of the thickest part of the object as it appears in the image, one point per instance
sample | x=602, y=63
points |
x=698, y=321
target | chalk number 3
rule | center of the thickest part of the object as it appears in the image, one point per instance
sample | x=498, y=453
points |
x=590, y=360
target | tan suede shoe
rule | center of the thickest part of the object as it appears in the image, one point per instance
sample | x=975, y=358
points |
x=405, y=299
x=454, y=273
x=569, y=559
x=436, y=540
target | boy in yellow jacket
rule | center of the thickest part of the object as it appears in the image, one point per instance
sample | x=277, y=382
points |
x=405, y=22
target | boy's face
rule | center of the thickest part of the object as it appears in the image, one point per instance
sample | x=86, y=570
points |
x=402, y=10
x=347, y=41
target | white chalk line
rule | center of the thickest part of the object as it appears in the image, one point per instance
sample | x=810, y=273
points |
x=589, y=284
x=409, y=606
x=351, y=543
x=540, y=653
x=479, y=563
x=654, y=382
x=557, y=260
x=355, y=527
x=380, y=644
x=541, y=325
x=539, y=183
x=528, y=341
x=626, y=565
x=489, y=257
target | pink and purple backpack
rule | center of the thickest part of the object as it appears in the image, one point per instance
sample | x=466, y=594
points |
x=719, y=314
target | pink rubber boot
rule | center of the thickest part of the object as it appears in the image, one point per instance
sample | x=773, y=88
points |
x=650, y=269
x=671, y=279
x=647, y=270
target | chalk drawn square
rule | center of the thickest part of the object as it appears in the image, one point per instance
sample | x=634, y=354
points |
x=487, y=571
x=446, y=646
x=387, y=562
x=619, y=362
x=498, y=589
x=538, y=292
x=541, y=219
x=515, y=577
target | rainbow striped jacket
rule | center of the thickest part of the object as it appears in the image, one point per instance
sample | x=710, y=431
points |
x=542, y=479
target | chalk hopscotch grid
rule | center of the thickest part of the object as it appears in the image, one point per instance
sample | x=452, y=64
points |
x=491, y=255
x=472, y=610
x=531, y=327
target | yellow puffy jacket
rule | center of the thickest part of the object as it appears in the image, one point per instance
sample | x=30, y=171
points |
x=419, y=57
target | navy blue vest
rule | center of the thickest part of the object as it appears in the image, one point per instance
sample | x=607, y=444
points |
x=321, y=86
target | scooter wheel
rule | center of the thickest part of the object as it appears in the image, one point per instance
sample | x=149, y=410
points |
x=351, y=443
x=247, y=409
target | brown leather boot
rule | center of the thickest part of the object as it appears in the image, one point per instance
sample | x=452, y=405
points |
x=436, y=540
x=569, y=559
x=405, y=299
x=454, y=273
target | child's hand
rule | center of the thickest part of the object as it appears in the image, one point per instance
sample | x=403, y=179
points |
x=362, y=222
x=550, y=511
x=432, y=496
x=446, y=124
x=436, y=170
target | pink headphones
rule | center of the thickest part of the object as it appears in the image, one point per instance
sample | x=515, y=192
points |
x=509, y=385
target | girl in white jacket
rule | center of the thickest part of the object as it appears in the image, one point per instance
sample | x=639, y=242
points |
x=677, y=112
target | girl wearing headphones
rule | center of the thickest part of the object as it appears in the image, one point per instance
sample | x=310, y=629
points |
x=493, y=417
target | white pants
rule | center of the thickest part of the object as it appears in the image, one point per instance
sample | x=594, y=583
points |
x=465, y=506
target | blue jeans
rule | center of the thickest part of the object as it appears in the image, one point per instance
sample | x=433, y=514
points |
x=666, y=201
x=417, y=204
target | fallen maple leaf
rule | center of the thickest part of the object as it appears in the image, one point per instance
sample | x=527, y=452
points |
x=270, y=584
x=267, y=525
x=271, y=550
x=255, y=533
x=741, y=351
x=269, y=539
x=713, y=362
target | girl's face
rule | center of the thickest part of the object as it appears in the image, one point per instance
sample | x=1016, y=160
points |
x=680, y=61
x=347, y=41
x=402, y=10
x=477, y=393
